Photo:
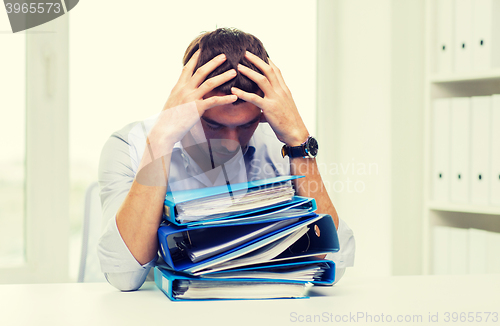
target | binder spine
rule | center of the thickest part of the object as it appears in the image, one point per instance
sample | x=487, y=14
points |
x=164, y=250
x=329, y=276
x=164, y=283
x=169, y=212
x=313, y=205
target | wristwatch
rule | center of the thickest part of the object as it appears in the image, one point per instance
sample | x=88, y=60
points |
x=308, y=149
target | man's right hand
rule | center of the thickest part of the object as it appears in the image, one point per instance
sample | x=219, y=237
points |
x=193, y=87
x=186, y=104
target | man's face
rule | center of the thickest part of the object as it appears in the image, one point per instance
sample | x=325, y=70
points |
x=229, y=127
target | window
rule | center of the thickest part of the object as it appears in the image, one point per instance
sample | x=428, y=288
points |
x=13, y=135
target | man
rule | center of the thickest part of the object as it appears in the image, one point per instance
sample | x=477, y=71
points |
x=225, y=120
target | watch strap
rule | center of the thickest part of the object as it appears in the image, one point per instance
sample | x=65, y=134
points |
x=302, y=150
x=297, y=151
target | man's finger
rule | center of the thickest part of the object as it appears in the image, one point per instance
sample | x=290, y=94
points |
x=279, y=76
x=214, y=82
x=201, y=74
x=215, y=101
x=264, y=67
x=248, y=97
x=188, y=69
x=259, y=79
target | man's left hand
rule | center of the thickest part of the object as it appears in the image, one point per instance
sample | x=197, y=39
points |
x=277, y=104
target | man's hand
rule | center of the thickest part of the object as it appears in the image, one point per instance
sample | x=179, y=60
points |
x=277, y=104
x=191, y=87
x=186, y=104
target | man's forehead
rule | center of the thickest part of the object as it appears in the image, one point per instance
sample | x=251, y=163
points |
x=229, y=114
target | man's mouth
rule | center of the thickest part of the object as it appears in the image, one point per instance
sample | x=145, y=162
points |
x=225, y=154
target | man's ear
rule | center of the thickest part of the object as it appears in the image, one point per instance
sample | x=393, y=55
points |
x=262, y=117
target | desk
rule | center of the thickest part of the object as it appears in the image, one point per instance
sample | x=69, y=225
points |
x=100, y=304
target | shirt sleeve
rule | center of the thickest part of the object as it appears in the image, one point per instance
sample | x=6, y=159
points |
x=345, y=256
x=115, y=178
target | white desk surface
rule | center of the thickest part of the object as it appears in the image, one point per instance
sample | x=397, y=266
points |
x=405, y=296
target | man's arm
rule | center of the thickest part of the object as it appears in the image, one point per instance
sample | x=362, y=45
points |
x=312, y=185
x=139, y=216
x=282, y=115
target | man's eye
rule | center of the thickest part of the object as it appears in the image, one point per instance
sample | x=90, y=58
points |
x=214, y=127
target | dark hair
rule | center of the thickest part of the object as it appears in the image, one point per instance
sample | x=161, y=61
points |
x=233, y=43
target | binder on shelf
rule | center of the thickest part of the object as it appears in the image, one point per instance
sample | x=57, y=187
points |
x=481, y=36
x=459, y=245
x=444, y=48
x=477, y=251
x=493, y=245
x=441, y=150
x=486, y=34
x=480, y=149
x=463, y=36
x=495, y=152
x=441, y=250
x=460, y=150
x=233, y=200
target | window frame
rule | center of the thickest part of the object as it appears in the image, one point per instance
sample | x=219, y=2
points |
x=47, y=157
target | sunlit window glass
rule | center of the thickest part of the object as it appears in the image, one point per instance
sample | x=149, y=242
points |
x=12, y=136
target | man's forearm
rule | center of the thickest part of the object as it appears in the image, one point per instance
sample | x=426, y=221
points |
x=312, y=185
x=140, y=214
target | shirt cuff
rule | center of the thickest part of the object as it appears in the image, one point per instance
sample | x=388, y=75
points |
x=114, y=255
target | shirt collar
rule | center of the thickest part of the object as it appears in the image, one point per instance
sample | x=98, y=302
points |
x=234, y=167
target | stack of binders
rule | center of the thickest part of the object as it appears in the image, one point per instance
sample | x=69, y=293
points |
x=252, y=240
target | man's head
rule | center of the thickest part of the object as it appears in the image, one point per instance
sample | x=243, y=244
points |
x=230, y=126
x=233, y=43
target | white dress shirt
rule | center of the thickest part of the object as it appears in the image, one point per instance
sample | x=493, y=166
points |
x=118, y=166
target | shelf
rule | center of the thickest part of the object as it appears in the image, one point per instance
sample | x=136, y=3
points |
x=449, y=207
x=469, y=76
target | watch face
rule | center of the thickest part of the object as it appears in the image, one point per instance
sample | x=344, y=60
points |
x=312, y=147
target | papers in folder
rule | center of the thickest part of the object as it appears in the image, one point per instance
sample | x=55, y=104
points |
x=306, y=273
x=203, y=289
x=188, y=206
x=207, y=244
x=235, y=202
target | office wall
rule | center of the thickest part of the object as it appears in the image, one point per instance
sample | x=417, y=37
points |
x=369, y=134
x=407, y=121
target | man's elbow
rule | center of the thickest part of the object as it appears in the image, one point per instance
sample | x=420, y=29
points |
x=128, y=281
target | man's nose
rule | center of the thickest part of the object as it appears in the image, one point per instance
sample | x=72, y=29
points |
x=231, y=141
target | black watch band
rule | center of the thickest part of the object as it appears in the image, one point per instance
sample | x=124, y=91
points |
x=296, y=151
x=307, y=149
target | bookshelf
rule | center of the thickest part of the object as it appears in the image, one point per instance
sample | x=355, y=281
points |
x=448, y=85
x=487, y=75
